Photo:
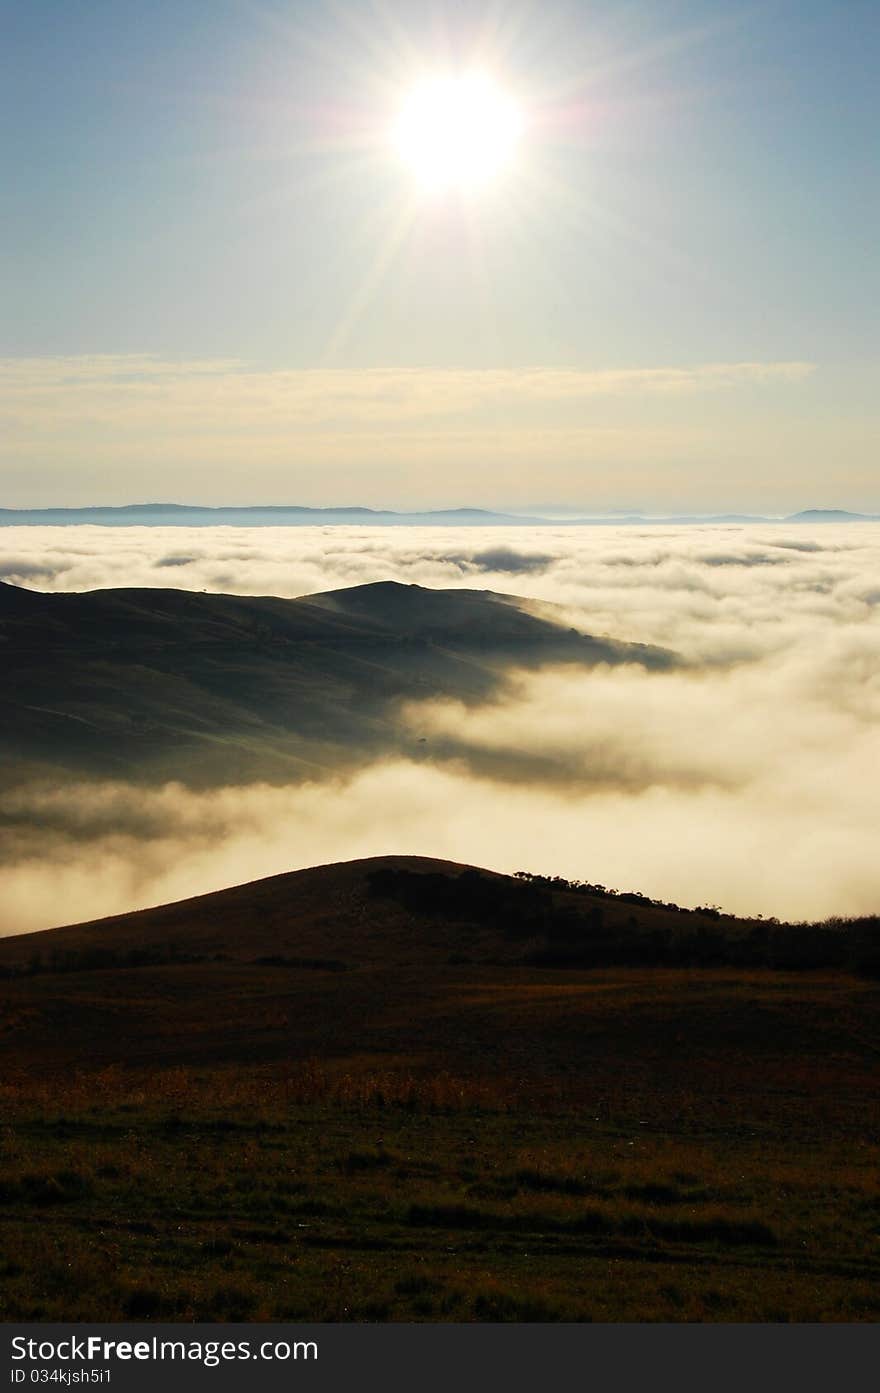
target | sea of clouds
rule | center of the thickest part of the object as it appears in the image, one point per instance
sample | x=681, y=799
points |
x=745, y=777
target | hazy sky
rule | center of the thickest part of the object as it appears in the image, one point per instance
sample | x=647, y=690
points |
x=220, y=282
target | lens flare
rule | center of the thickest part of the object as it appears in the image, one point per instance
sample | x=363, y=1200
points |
x=458, y=132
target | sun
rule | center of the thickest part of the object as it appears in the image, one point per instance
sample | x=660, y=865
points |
x=458, y=131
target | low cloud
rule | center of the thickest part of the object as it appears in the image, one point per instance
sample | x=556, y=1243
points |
x=746, y=779
x=506, y=561
x=713, y=593
x=800, y=847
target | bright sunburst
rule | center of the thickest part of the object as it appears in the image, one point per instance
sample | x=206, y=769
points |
x=458, y=131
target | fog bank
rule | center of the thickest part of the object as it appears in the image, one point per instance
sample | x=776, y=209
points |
x=747, y=779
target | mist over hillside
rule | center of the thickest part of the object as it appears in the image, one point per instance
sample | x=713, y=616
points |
x=197, y=753
x=152, y=685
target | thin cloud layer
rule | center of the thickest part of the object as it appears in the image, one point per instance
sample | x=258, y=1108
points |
x=747, y=779
x=132, y=391
x=92, y=427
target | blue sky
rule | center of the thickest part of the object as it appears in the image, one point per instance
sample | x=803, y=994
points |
x=201, y=197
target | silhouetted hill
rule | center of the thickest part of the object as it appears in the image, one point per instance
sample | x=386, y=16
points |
x=402, y=955
x=408, y=1089
x=159, y=684
x=326, y=912
x=392, y=910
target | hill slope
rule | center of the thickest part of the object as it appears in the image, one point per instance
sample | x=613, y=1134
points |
x=352, y=1093
x=158, y=684
x=389, y=955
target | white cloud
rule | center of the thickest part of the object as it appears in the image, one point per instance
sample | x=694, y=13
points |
x=713, y=593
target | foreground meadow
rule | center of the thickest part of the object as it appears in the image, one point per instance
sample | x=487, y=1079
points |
x=413, y=1118
x=376, y=1196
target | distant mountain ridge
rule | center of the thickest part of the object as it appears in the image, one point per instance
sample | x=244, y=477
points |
x=260, y=515
x=294, y=515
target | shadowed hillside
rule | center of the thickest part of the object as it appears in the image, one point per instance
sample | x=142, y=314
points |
x=364, y=954
x=389, y=911
x=359, y=1092
x=159, y=684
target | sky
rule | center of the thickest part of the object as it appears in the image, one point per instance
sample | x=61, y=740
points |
x=220, y=282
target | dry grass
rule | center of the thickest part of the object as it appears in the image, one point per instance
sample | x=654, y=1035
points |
x=414, y=1139
x=181, y=1205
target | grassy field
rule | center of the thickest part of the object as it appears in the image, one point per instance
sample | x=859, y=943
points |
x=166, y=1199
x=421, y=1138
